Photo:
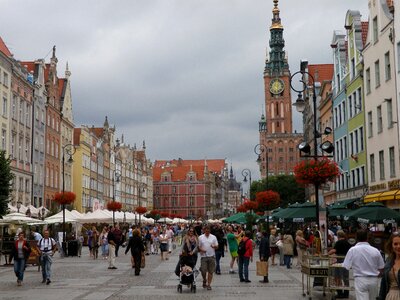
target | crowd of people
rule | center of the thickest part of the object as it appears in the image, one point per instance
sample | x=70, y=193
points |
x=206, y=244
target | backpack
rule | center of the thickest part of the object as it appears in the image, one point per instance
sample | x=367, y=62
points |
x=242, y=248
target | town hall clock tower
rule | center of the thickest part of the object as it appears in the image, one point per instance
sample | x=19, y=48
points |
x=279, y=151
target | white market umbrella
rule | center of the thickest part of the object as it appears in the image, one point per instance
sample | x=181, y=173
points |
x=180, y=220
x=59, y=216
x=165, y=220
x=19, y=218
x=98, y=216
x=77, y=214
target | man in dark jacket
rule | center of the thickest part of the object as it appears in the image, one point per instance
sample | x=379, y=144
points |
x=264, y=252
x=219, y=233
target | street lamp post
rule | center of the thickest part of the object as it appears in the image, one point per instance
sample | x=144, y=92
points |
x=304, y=147
x=70, y=150
x=245, y=173
x=116, y=177
x=260, y=149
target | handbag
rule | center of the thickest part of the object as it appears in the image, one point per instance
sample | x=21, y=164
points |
x=262, y=268
x=279, y=243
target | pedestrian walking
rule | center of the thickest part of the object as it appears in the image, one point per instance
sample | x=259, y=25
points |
x=246, y=257
x=288, y=249
x=136, y=246
x=273, y=239
x=208, y=243
x=219, y=252
x=163, y=238
x=20, y=253
x=389, y=289
x=264, y=252
x=233, y=247
x=301, y=247
x=118, y=238
x=111, y=248
x=104, y=243
x=367, y=264
x=342, y=246
x=47, y=247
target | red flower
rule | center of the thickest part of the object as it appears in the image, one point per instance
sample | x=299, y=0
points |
x=316, y=171
x=141, y=210
x=164, y=214
x=114, y=206
x=64, y=198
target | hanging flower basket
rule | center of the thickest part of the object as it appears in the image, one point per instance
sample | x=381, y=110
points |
x=316, y=171
x=114, y=206
x=64, y=198
x=141, y=210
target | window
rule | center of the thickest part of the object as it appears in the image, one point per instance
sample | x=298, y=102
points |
x=389, y=112
x=377, y=74
x=3, y=139
x=174, y=190
x=370, y=124
x=388, y=71
x=372, y=167
x=398, y=57
x=350, y=100
x=392, y=166
x=381, y=165
x=5, y=105
x=351, y=143
x=21, y=111
x=359, y=100
x=361, y=131
x=375, y=29
x=368, y=80
x=353, y=68
x=21, y=140
x=13, y=148
x=5, y=79
x=379, y=118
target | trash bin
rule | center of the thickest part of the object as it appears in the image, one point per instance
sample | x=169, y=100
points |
x=72, y=248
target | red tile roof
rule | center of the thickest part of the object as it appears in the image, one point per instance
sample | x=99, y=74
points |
x=97, y=131
x=321, y=72
x=180, y=168
x=61, y=83
x=4, y=48
x=364, y=29
x=29, y=65
x=77, y=136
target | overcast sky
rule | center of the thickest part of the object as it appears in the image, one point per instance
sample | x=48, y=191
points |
x=186, y=76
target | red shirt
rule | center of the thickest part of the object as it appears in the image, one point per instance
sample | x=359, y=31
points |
x=249, y=247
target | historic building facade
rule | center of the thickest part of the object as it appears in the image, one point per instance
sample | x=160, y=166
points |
x=37, y=70
x=190, y=188
x=279, y=150
x=381, y=106
x=53, y=133
x=5, y=95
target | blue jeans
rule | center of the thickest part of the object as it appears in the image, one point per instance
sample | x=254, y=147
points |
x=218, y=255
x=19, y=268
x=286, y=260
x=244, y=267
x=46, y=262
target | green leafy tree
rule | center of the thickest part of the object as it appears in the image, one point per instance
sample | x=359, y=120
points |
x=285, y=185
x=6, y=178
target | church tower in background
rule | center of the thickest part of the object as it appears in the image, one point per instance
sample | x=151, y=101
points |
x=279, y=152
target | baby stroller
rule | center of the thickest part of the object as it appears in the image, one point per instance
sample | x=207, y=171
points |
x=187, y=273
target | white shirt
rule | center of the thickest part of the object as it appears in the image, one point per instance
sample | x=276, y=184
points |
x=364, y=259
x=205, y=244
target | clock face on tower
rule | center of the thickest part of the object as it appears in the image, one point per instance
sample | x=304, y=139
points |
x=276, y=86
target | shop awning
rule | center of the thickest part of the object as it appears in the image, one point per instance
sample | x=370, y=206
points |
x=383, y=196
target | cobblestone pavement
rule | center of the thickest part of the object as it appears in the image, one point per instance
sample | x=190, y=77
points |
x=85, y=278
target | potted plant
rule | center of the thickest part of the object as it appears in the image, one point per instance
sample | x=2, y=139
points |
x=316, y=171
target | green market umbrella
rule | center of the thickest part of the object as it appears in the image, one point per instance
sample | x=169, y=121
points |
x=232, y=219
x=374, y=212
x=303, y=212
x=284, y=213
x=240, y=218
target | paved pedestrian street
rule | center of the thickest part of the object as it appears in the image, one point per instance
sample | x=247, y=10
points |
x=85, y=278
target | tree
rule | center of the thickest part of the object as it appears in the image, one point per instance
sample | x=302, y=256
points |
x=285, y=185
x=6, y=178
